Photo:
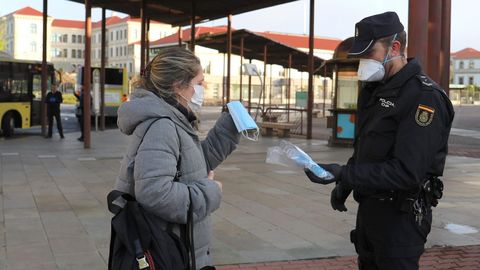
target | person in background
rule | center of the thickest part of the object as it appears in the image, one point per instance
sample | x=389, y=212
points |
x=79, y=112
x=53, y=101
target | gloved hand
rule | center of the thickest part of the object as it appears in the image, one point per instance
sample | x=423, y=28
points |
x=334, y=169
x=339, y=196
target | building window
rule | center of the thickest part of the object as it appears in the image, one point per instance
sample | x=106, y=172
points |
x=65, y=38
x=33, y=28
x=136, y=34
x=74, y=53
x=460, y=80
x=471, y=64
x=121, y=34
x=79, y=38
x=33, y=46
x=56, y=52
x=125, y=50
x=470, y=81
x=65, y=53
x=461, y=65
x=111, y=36
x=74, y=39
x=79, y=54
x=116, y=51
x=125, y=33
x=111, y=52
x=130, y=67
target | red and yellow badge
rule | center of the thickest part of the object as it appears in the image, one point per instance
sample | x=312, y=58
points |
x=424, y=115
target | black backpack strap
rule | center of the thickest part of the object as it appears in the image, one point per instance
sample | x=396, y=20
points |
x=190, y=242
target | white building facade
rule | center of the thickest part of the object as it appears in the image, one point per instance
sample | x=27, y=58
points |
x=466, y=67
x=23, y=34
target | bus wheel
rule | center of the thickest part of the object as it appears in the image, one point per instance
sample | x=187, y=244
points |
x=8, y=124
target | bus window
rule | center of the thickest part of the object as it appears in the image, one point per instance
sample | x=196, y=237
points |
x=114, y=76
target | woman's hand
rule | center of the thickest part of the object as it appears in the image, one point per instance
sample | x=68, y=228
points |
x=211, y=176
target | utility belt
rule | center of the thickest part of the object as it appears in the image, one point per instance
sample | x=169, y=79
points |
x=425, y=196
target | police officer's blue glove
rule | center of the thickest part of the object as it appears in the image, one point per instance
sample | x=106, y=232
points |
x=339, y=196
x=334, y=169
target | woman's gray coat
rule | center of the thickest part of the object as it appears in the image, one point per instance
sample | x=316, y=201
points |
x=148, y=173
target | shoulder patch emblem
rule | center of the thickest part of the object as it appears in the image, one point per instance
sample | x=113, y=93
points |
x=424, y=115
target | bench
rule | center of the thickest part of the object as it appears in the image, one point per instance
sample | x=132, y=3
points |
x=282, y=129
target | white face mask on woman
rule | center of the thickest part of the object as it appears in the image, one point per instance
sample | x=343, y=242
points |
x=370, y=70
x=195, y=103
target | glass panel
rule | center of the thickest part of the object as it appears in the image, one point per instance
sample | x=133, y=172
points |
x=347, y=90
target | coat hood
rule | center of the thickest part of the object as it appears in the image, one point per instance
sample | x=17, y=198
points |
x=145, y=105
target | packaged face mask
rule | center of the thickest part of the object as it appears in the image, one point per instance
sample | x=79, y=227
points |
x=290, y=155
x=243, y=121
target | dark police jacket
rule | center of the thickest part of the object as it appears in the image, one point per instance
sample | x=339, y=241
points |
x=401, y=134
x=53, y=101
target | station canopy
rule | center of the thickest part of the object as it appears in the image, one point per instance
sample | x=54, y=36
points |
x=179, y=12
x=253, y=48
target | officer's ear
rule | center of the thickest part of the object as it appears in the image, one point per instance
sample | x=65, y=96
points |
x=396, y=46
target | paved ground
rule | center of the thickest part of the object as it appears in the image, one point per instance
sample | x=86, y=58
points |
x=53, y=211
x=453, y=258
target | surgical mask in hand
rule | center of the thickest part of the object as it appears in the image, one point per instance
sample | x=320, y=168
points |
x=243, y=121
x=197, y=99
x=288, y=154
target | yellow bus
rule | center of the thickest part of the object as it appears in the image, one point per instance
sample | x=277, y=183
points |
x=19, y=106
x=116, y=89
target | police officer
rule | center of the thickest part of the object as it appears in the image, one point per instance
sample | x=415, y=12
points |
x=402, y=129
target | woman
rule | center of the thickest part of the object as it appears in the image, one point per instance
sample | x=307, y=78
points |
x=160, y=112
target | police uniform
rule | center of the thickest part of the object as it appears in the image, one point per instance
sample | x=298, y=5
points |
x=401, y=140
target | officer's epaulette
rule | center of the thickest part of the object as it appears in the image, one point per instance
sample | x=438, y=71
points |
x=429, y=84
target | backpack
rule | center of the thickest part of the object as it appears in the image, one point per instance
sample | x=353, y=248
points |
x=137, y=240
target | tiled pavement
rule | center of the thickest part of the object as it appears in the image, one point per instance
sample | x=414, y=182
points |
x=453, y=258
x=53, y=211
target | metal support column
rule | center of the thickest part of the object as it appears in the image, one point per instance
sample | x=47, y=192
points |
x=147, y=57
x=445, y=45
x=180, y=36
x=265, y=51
x=44, y=68
x=192, y=28
x=289, y=85
x=270, y=92
x=249, y=90
x=434, y=39
x=418, y=31
x=102, y=72
x=241, y=66
x=310, y=71
x=142, y=36
x=229, y=55
x=87, y=75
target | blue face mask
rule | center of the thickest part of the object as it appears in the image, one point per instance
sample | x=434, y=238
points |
x=243, y=121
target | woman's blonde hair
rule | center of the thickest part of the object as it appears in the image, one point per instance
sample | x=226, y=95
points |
x=171, y=67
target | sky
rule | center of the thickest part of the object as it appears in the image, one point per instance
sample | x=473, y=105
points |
x=334, y=19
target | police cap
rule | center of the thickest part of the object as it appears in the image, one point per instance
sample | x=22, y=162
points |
x=372, y=28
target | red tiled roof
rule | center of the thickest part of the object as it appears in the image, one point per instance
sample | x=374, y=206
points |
x=68, y=23
x=301, y=41
x=28, y=11
x=201, y=30
x=292, y=40
x=466, y=53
